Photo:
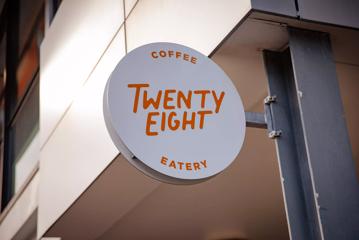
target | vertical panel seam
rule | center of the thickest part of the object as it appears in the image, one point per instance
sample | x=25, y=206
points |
x=296, y=4
x=124, y=24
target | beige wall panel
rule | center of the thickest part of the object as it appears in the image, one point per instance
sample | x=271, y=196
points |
x=348, y=75
x=78, y=35
x=25, y=205
x=111, y=197
x=80, y=148
x=200, y=24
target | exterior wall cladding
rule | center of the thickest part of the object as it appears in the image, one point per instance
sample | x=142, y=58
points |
x=81, y=47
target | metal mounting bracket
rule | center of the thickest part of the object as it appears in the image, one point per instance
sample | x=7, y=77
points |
x=274, y=134
x=272, y=131
x=270, y=99
x=260, y=120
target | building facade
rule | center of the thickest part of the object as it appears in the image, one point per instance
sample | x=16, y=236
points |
x=295, y=64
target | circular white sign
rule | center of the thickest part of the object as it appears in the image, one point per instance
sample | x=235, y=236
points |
x=174, y=113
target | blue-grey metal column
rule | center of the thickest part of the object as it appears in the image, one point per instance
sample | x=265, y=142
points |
x=299, y=201
x=327, y=145
x=319, y=182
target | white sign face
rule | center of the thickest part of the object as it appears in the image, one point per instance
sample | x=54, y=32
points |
x=174, y=113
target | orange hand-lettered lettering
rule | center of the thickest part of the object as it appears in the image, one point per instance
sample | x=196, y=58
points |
x=164, y=160
x=172, y=164
x=173, y=124
x=193, y=60
x=187, y=121
x=186, y=57
x=151, y=101
x=167, y=99
x=182, y=98
x=204, y=163
x=154, y=55
x=188, y=166
x=203, y=94
x=178, y=54
x=201, y=117
x=151, y=122
x=180, y=165
x=138, y=86
x=196, y=166
x=162, y=53
x=163, y=121
x=218, y=101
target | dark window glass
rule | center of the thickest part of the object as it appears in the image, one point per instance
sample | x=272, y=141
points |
x=2, y=105
x=29, y=62
x=2, y=87
x=26, y=121
x=2, y=120
x=20, y=102
x=29, y=15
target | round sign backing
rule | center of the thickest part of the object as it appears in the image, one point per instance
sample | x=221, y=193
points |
x=174, y=113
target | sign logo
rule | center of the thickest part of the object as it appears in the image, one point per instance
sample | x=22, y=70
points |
x=173, y=113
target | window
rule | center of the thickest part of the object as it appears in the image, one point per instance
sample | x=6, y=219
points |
x=19, y=103
x=2, y=104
